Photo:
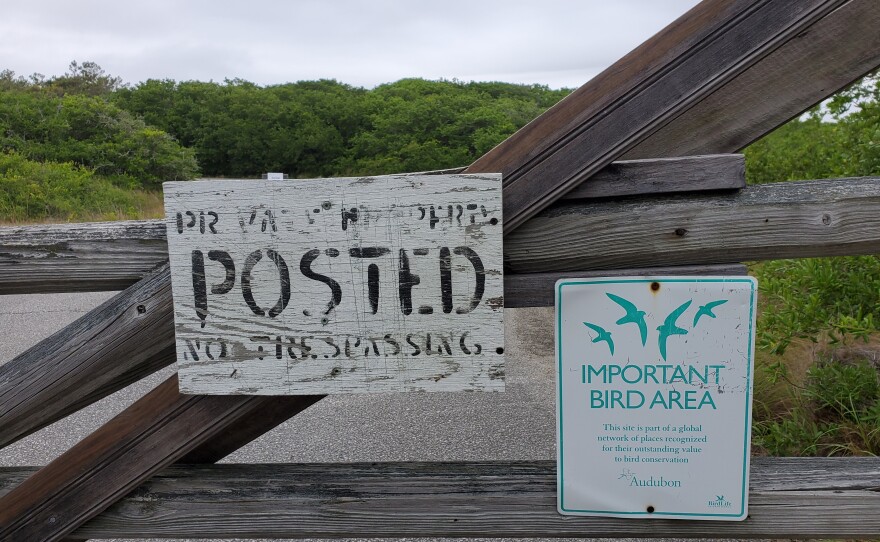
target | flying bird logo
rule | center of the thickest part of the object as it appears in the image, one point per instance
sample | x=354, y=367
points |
x=669, y=327
x=706, y=310
x=602, y=336
x=633, y=315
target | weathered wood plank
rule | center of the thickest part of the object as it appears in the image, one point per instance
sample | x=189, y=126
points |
x=366, y=284
x=781, y=220
x=115, y=344
x=790, y=498
x=835, y=51
x=537, y=289
x=703, y=50
x=79, y=257
x=113, y=255
x=246, y=429
x=772, y=221
x=664, y=175
x=153, y=433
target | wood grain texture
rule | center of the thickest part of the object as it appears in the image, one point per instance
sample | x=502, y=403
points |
x=153, y=433
x=537, y=289
x=663, y=176
x=813, y=65
x=247, y=428
x=773, y=221
x=115, y=344
x=789, y=498
x=102, y=256
x=79, y=257
x=780, y=220
x=539, y=167
x=367, y=285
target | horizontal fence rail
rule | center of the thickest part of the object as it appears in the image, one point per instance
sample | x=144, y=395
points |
x=86, y=257
x=539, y=289
x=803, y=219
x=113, y=255
x=789, y=498
x=780, y=220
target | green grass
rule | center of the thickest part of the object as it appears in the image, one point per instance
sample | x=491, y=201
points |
x=817, y=390
x=33, y=191
x=801, y=298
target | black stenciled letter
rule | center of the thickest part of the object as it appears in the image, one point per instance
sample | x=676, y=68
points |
x=224, y=258
x=283, y=275
x=406, y=281
x=199, y=282
x=349, y=216
x=305, y=267
x=446, y=279
x=480, y=271
x=200, y=292
x=372, y=271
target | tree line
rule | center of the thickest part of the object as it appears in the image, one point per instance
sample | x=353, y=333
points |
x=91, y=127
x=162, y=130
x=83, y=145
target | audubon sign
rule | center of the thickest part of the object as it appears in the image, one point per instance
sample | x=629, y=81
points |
x=654, y=382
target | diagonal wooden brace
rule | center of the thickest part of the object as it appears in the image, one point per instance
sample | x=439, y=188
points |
x=156, y=431
x=128, y=337
x=681, y=66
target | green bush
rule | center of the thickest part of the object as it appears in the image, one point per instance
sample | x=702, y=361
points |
x=32, y=191
x=801, y=298
x=836, y=412
x=89, y=131
x=326, y=128
x=794, y=435
x=840, y=138
x=843, y=390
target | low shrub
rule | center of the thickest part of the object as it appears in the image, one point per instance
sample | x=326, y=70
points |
x=35, y=191
x=801, y=298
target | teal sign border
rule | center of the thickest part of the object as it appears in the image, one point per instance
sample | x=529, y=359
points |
x=560, y=480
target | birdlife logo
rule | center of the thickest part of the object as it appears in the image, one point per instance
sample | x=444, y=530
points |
x=670, y=328
x=719, y=502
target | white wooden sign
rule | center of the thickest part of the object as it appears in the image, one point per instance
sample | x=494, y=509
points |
x=354, y=285
x=654, y=383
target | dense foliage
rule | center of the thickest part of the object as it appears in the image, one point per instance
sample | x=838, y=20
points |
x=802, y=298
x=816, y=386
x=324, y=128
x=840, y=138
x=70, y=119
x=88, y=129
x=31, y=190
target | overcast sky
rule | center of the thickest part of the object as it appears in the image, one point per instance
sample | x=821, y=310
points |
x=560, y=43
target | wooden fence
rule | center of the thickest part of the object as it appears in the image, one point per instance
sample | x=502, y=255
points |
x=718, y=78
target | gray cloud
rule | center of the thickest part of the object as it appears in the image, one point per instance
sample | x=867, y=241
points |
x=554, y=42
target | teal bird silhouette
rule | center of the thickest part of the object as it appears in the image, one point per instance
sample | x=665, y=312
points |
x=669, y=328
x=633, y=315
x=602, y=336
x=707, y=309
